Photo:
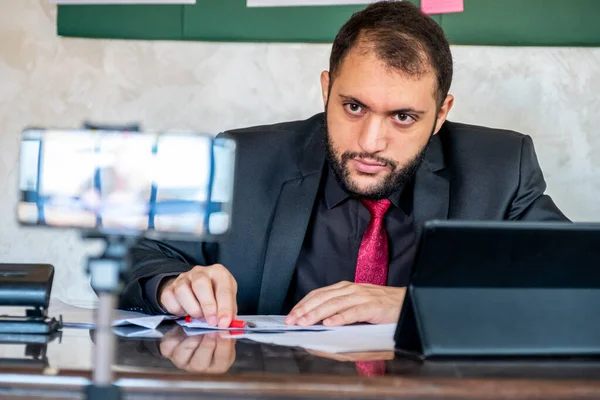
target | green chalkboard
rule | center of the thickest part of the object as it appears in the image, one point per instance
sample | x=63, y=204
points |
x=525, y=22
x=121, y=22
x=484, y=22
x=231, y=20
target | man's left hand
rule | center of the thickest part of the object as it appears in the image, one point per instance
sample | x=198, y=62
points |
x=346, y=303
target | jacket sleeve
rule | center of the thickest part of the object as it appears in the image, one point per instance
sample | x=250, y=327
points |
x=150, y=259
x=530, y=203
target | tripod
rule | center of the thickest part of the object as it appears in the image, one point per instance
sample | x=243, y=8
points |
x=106, y=272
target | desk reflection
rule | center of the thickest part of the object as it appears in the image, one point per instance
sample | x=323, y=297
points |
x=211, y=353
x=218, y=353
x=214, y=354
x=215, y=366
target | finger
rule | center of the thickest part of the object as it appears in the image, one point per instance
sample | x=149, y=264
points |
x=203, y=356
x=296, y=312
x=317, y=301
x=169, y=302
x=176, y=332
x=331, y=307
x=171, y=340
x=168, y=346
x=331, y=356
x=315, y=292
x=235, y=306
x=187, y=299
x=351, y=315
x=184, y=352
x=224, y=356
x=203, y=290
x=310, y=298
x=225, y=292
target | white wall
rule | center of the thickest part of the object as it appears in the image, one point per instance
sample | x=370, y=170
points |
x=552, y=94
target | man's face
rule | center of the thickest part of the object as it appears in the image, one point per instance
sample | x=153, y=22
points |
x=379, y=122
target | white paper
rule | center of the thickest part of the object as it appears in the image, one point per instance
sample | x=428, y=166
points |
x=347, y=339
x=122, y=317
x=271, y=329
x=137, y=332
x=122, y=1
x=132, y=331
x=79, y=317
x=263, y=323
x=286, y=3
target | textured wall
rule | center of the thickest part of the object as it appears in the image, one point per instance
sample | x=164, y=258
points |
x=549, y=93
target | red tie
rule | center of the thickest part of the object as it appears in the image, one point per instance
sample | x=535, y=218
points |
x=370, y=368
x=372, y=260
x=372, y=266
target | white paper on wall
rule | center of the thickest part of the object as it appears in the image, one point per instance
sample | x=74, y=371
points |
x=284, y=3
x=83, y=2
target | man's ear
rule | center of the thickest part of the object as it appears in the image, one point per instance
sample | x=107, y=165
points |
x=443, y=113
x=325, y=87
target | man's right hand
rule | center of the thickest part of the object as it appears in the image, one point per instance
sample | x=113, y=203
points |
x=208, y=353
x=202, y=292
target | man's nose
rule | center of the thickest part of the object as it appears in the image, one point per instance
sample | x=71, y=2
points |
x=372, y=137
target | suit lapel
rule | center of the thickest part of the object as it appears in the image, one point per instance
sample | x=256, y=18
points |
x=432, y=186
x=289, y=223
x=285, y=240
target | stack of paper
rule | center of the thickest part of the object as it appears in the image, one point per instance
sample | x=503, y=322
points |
x=84, y=318
x=347, y=339
x=256, y=323
x=271, y=329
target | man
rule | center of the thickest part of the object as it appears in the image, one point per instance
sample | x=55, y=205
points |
x=328, y=211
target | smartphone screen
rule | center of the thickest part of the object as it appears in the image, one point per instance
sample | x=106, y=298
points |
x=131, y=183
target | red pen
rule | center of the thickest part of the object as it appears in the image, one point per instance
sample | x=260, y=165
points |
x=236, y=323
x=239, y=324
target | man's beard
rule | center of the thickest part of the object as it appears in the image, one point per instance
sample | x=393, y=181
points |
x=395, y=180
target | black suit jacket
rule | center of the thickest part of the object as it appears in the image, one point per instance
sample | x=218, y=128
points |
x=469, y=172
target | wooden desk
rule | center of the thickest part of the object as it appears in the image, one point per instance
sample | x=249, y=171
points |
x=241, y=369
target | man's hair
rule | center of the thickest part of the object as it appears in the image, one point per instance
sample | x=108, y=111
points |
x=402, y=37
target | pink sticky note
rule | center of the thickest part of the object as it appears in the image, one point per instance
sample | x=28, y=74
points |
x=442, y=6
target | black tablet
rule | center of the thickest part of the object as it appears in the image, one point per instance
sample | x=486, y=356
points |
x=503, y=289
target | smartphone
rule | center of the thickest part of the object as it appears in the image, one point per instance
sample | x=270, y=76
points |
x=155, y=184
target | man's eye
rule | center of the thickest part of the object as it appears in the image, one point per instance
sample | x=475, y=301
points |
x=353, y=108
x=404, y=119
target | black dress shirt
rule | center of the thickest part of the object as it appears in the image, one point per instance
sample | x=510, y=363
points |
x=333, y=237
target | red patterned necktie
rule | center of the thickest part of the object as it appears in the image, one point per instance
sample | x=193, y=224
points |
x=372, y=267
x=372, y=260
x=370, y=368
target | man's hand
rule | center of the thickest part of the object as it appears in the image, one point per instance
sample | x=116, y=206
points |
x=202, y=292
x=353, y=357
x=346, y=303
x=208, y=353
